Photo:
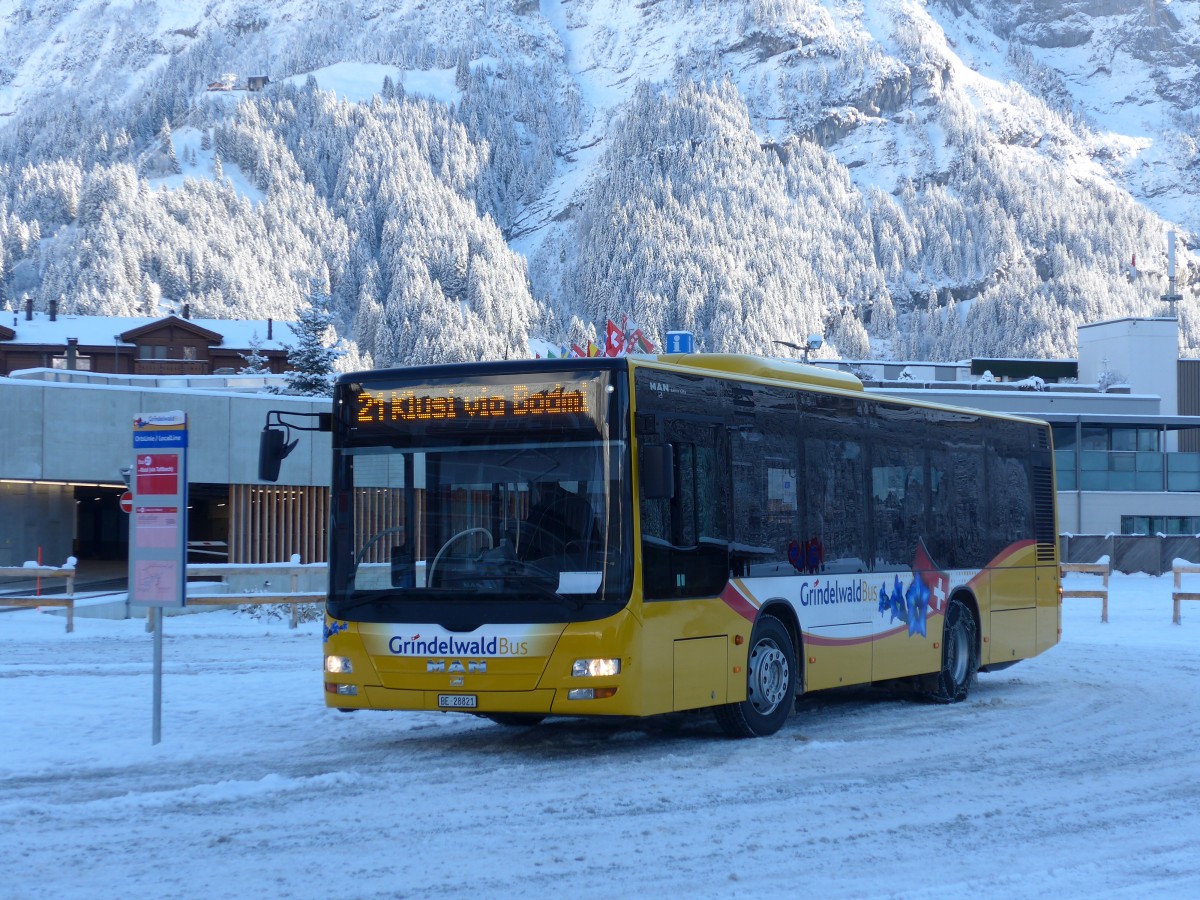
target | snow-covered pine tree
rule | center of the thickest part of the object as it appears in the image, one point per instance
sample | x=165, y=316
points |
x=316, y=348
x=256, y=363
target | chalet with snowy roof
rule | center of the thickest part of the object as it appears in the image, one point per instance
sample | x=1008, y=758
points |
x=130, y=345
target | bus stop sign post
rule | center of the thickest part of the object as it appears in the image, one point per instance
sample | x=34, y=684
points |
x=158, y=533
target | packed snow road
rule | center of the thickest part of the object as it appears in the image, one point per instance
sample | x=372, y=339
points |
x=1069, y=775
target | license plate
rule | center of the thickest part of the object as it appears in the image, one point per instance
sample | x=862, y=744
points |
x=456, y=701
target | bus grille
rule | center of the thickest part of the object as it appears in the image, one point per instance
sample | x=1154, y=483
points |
x=1043, y=513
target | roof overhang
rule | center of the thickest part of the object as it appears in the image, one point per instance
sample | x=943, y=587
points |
x=133, y=334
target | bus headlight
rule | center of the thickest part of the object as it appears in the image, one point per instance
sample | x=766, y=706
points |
x=339, y=665
x=595, y=668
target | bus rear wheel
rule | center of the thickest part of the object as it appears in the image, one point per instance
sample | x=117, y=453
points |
x=960, y=660
x=771, y=673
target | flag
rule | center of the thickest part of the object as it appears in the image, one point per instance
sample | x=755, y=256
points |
x=593, y=350
x=631, y=329
x=576, y=350
x=637, y=342
x=614, y=340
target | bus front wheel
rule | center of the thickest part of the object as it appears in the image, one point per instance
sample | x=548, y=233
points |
x=771, y=673
x=960, y=660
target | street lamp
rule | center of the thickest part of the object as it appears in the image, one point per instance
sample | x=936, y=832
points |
x=814, y=343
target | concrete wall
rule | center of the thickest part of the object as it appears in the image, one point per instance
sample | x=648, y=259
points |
x=1145, y=351
x=33, y=516
x=1099, y=512
x=61, y=432
x=58, y=432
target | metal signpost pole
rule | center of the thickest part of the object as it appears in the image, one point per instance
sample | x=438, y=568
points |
x=158, y=531
x=156, y=727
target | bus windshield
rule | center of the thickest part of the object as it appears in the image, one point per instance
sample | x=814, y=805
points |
x=459, y=522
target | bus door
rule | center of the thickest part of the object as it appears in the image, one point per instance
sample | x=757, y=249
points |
x=685, y=561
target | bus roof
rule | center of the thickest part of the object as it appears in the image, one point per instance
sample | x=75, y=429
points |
x=802, y=375
x=763, y=367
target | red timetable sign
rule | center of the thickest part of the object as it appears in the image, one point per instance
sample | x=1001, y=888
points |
x=157, y=474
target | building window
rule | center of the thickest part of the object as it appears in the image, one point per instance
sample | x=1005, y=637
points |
x=1132, y=439
x=82, y=363
x=1160, y=525
x=1064, y=437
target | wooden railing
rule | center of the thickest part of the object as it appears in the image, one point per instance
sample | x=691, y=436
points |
x=1100, y=593
x=30, y=601
x=1179, y=569
x=271, y=575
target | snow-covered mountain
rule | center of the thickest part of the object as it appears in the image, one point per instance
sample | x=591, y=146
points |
x=930, y=179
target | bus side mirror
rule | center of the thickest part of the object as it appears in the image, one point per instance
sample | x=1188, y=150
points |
x=658, y=472
x=273, y=448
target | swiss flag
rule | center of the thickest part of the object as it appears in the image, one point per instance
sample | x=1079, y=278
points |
x=614, y=340
x=938, y=582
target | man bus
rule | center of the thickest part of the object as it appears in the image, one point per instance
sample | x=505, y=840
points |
x=731, y=532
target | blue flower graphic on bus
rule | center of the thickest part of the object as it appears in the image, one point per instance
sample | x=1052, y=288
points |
x=893, y=602
x=332, y=629
x=917, y=596
x=926, y=592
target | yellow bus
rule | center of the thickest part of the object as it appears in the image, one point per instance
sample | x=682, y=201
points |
x=644, y=535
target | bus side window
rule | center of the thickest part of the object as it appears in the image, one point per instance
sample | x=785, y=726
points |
x=766, y=503
x=836, y=505
x=898, y=504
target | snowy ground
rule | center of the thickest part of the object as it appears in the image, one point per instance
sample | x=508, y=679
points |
x=1074, y=774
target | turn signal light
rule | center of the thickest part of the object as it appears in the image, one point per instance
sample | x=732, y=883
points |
x=591, y=693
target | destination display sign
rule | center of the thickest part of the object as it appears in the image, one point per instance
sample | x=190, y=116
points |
x=477, y=403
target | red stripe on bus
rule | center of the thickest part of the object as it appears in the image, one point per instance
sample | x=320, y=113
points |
x=738, y=602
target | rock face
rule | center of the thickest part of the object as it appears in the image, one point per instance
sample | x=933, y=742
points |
x=1147, y=30
x=1128, y=69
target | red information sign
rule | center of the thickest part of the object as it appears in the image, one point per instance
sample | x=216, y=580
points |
x=157, y=474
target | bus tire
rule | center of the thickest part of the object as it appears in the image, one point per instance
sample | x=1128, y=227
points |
x=515, y=720
x=771, y=673
x=960, y=659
